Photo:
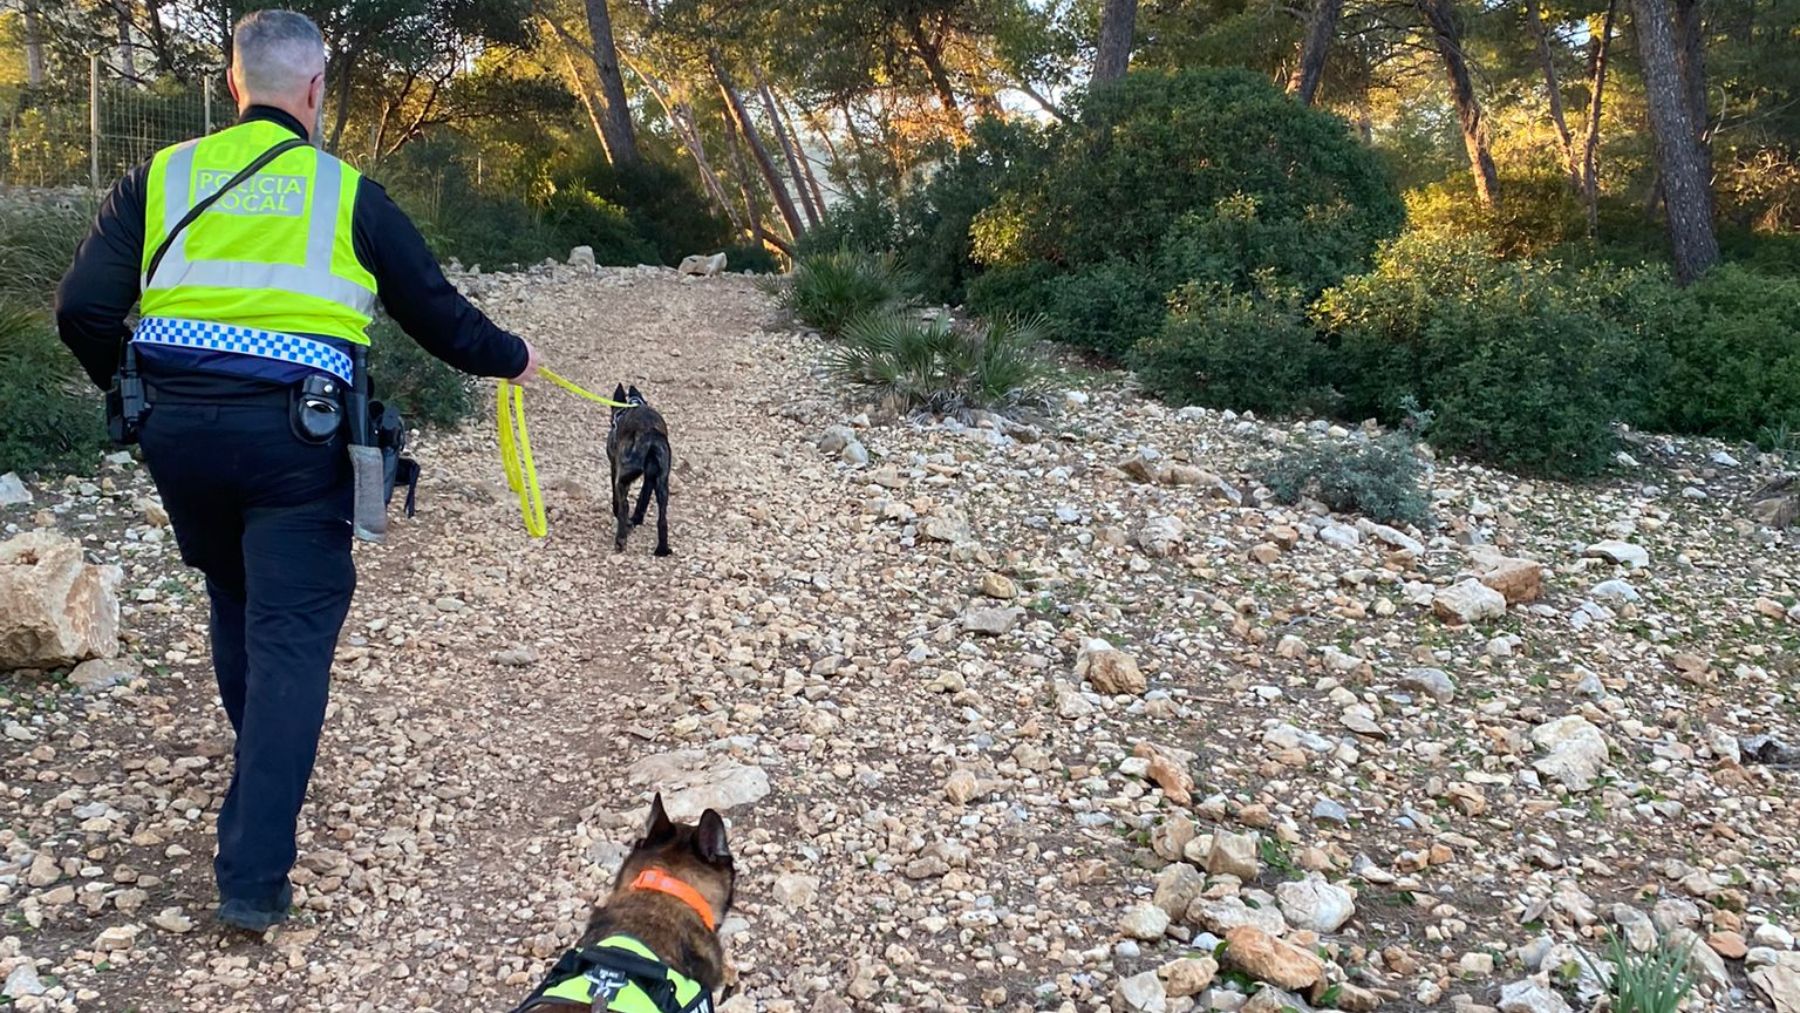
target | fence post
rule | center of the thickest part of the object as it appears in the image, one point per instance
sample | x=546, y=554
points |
x=94, y=120
x=206, y=92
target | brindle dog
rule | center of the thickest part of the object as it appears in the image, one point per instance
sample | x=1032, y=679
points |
x=672, y=891
x=638, y=447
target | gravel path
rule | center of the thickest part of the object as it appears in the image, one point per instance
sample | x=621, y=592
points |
x=880, y=669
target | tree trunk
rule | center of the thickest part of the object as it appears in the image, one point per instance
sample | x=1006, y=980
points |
x=1442, y=20
x=933, y=58
x=1687, y=199
x=127, y=52
x=346, y=75
x=760, y=151
x=1321, y=29
x=742, y=177
x=1690, y=40
x=806, y=161
x=1042, y=102
x=1118, y=26
x=1553, y=87
x=586, y=98
x=615, y=110
x=1590, y=147
x=681, y=117
x=34, y=45
x=787, y=148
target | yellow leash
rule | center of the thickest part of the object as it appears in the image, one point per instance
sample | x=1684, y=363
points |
x=515, y=446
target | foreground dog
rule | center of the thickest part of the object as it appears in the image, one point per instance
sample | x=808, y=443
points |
x=638, y=447
x=653, y=947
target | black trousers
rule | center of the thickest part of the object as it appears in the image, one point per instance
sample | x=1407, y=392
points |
x=266, y=517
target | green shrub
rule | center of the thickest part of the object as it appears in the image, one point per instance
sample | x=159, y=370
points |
x=1020, y=291
x=859, y=222
x=1523, y=363
x=1153, y=148
x=1107, y=307
x=1233, y=243
x=1228, y=349
x=1538, y=212
x=667, y=210
x=1382, y=479
x=425, y=390
x=578, y=217
x=37, y=244
x=935, y=365
x=829, y=290
x=1654, y=982
x=1732, y=346
x=50, y=416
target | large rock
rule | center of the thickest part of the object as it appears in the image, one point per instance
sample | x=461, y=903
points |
x=581, y=256
x=1777, y=975
x=55, y=607
x=1623, y=553
x=102, y=673
x=703, y=266
x=1177, y=887
x=1469, y=601
x=991, y=622
x=1142, y=993
x=1144, y=921
x=1434, y=682
x=1532, y=995
x=692, y=781
x=1315, y=904
x=1777, y=504
x=1220, y=915
x=1111, y=670
x=1519, y=580
x=1576, y=751
x=1188, y=975
x=23, y=983
x=1162, y=535
x=1234, y=855
x=13, y=491
x=1265, y=958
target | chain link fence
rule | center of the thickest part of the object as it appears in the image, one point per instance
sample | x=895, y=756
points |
x=60, y=137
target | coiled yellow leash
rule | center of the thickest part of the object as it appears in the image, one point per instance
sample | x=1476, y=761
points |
x=515, y=446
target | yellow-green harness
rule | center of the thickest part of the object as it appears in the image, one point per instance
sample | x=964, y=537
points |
x=626, y=974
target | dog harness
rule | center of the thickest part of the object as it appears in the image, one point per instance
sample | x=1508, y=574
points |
x=619, y=973
x=623, y=972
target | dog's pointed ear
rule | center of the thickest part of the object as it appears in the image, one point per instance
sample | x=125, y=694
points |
x=709, y=840
x=660, y=828
x=633, y=394
x=619, y=393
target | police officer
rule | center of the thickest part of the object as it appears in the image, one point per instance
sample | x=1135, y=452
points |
x=267, y=291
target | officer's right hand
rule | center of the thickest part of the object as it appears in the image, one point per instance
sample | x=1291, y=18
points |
x=532, y=362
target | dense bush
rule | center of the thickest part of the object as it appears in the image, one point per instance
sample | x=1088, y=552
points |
x=1383, y=479
x=935, y=365
x=50, y=415
x=1732, y=351
x=1521, y=363
x=578, y=217
x=752, y=259
x=1106, y=307
x=1228, y=349
x=1154, y=148
x=829, y=290
x=426, y=391
x=37, y=244
x=1537, y=213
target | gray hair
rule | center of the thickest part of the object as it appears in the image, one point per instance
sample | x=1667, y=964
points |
x=275, y=52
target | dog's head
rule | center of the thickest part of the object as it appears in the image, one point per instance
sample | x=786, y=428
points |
x=695, y=855
x=627, y=396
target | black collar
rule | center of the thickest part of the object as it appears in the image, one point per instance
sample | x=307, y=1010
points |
x=279, y=117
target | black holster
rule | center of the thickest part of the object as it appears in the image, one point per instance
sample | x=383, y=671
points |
x=128, y=402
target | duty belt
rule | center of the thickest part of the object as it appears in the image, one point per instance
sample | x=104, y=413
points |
x=294, y=348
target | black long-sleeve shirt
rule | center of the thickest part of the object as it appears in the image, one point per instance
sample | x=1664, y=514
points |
x=97, y=294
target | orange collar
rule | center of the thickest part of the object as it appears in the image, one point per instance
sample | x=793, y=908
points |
x=662, y=882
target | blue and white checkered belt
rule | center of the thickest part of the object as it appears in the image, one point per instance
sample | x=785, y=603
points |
x=282, y=347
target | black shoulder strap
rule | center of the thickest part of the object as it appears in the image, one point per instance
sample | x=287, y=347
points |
x=205, y=202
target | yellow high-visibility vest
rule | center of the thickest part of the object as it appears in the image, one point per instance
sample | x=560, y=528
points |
x=274, y=258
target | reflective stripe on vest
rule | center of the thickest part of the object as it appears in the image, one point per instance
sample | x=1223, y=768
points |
x=277, y=254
